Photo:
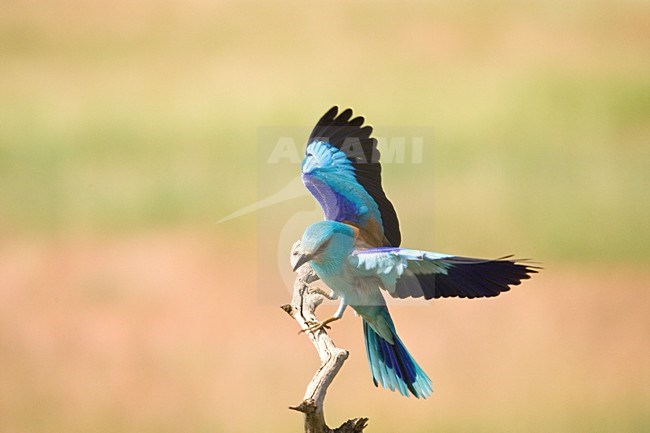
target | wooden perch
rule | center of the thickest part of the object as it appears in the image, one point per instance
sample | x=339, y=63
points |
x=302, y=308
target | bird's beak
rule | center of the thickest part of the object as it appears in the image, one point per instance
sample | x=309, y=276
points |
x=301, y=261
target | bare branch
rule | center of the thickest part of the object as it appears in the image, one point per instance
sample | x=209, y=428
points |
x=302, y=309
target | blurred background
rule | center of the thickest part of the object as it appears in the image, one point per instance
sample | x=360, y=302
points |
x=128, y=129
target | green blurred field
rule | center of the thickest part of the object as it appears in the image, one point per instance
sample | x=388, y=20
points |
x=127, y=129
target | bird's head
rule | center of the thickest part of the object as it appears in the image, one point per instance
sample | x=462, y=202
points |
x=324, y=240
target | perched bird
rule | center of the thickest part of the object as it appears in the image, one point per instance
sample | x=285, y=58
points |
x=356, y=251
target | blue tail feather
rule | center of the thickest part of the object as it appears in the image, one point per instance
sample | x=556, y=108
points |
x=391, y=364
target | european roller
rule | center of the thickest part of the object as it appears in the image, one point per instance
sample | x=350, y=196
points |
x=356, y=251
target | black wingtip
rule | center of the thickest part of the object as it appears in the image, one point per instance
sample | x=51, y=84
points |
x=345, y=114
x=529, y=265
x=331, y=113
x=476, y=278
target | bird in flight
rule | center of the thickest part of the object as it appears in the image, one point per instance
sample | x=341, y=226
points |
x=356, y=250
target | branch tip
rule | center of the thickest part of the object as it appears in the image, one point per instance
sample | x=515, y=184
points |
x=306, y=406
x=287, y=309
x=355, y=425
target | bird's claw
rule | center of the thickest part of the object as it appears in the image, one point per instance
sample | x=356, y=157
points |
x=315, y=290
x=316, y=326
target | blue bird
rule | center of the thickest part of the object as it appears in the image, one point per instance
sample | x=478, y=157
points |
x=356, y=251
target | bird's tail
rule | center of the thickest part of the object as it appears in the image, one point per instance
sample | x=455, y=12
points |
x=392, y=365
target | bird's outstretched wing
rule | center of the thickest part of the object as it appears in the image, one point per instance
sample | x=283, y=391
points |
x=341, y=169
x=411, y=273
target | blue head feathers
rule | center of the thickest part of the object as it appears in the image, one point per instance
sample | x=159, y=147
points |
x=329, y=238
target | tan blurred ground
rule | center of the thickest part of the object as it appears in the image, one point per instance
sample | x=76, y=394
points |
x=163, y=332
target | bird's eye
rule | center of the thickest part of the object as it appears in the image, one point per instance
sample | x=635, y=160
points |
x=323, y=246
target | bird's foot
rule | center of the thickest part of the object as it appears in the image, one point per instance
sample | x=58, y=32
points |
x=315, y=326
x=318, y=291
